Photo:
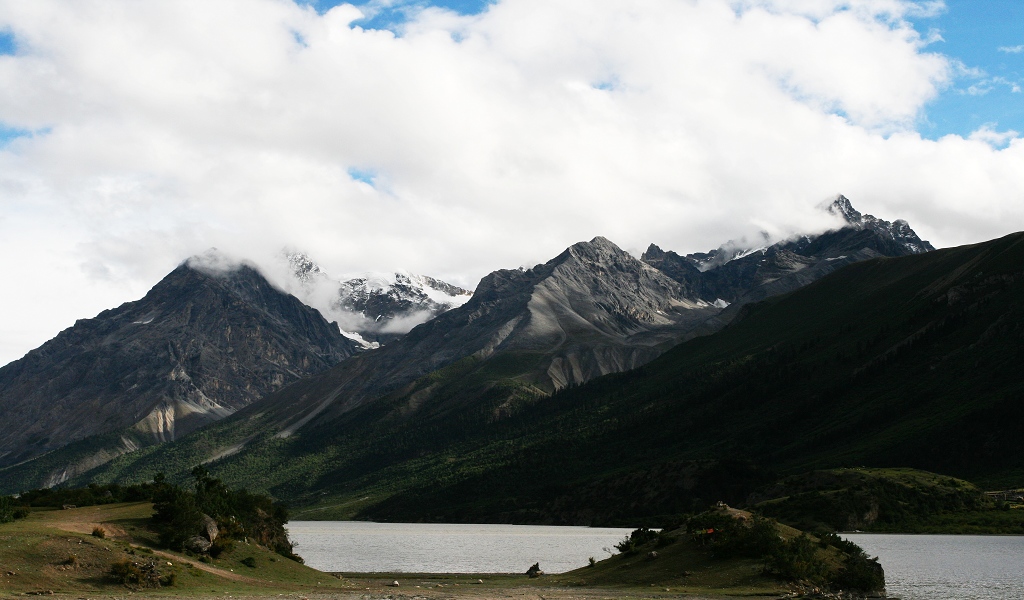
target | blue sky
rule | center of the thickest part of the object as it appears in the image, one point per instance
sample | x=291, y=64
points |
x=7, y=47
x=390, y=16
x=6, y=43
x=987, y=35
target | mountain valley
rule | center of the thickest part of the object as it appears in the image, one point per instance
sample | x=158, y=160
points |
x=602, y=388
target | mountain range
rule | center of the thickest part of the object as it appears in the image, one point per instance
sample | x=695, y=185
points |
x=741, y=275
x=908, y=361
x=206, y=341
x=525, y=337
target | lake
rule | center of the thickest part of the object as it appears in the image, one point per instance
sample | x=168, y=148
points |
x=917, y=567
x=359, y=546
x=950, y=567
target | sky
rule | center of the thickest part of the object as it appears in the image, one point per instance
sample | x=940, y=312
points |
x=454, y=138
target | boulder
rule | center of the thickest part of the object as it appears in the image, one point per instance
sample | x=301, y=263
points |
x=198, y=544
x=210, y=529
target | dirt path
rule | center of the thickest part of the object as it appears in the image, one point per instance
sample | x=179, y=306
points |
x=230, y=575
x=84, y=520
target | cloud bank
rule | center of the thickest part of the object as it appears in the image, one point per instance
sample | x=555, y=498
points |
x=155, y=130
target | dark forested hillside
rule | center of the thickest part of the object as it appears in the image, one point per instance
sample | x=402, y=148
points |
x=910, y=361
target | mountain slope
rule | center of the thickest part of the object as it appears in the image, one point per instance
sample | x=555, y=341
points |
x=525, y=334
x=592, y=310
x=909, y=361
x=199, y=346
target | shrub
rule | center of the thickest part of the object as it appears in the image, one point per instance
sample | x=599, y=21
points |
x=860, y=573
x=239, y=514
x=71, y=560
x=729, y=537
x=99, y=532
x=797, y=559
x=9, y=512
x=221, y=545
x=249, y=562
x=126, y=572
x=637, y=538
x=177, y=518
x=139, y=574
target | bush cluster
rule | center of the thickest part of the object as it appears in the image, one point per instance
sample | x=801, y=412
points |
x=727, y=537
x=9, y=510
x=634, y=540
x=797, y=559
x=145, y=574
x=239, y=514
x=91, y=495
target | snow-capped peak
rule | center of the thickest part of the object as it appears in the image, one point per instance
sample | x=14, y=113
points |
x=372, y=307
x=898, y=230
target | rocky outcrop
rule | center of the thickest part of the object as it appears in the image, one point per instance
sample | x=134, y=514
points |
x=200, y=345
x=741, y=275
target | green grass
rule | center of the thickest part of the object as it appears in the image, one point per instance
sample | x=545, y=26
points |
x=39, y=550
x=53, y=550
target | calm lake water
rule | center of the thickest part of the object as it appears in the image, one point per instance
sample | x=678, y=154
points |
x=358, y=546
x=917, y=567
x=950, y=567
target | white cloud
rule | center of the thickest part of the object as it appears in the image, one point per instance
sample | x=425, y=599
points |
x=1012, y=49
x=494, y=140
x=987, y=133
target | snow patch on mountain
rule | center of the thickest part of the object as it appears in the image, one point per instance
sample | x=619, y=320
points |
x=899, y=230
x=372, y=308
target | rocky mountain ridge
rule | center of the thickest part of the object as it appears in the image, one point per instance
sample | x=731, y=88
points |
x=593, y=309
x=869, y=366
x=740, y=275
x=203, y=343
x=526, y=333
x=378, y=307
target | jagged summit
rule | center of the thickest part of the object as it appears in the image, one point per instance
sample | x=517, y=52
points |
x=598, y=246
x=842, y=206
x=739, y=273
x=374, y=308
x=898, y=231
x=303, y=268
